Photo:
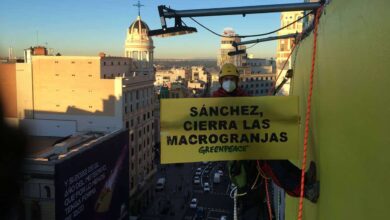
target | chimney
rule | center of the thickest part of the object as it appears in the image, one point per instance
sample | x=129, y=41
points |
x=102, y=54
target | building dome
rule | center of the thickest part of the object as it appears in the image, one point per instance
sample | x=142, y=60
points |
x=138, y=27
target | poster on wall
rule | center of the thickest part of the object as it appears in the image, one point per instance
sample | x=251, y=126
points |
x=229, y=128
x=94, y=183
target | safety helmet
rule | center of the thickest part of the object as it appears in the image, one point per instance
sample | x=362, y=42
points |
x=228, y=69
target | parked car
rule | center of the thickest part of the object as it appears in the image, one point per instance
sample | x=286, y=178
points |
x=160, y=184
x=196, y=179
x=217, y=178
x=206, y=187
x=193, y=203
x=223, y=217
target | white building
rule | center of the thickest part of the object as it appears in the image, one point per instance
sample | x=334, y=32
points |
x=140, y=115
x=139, y=46
x=229, y=36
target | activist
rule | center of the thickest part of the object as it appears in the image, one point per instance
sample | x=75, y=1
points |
x=244, y=174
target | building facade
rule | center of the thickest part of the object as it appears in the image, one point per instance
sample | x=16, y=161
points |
x=61, y=95
x=230, y=36
x=285, y=46
x=139, y=116
x=82, y=175
x=260, y=76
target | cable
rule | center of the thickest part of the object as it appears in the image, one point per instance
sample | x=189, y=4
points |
x=252, y=45
x=252, y=35
x=308, y=110
x=281, y=70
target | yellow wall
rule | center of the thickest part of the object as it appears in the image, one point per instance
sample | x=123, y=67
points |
x=351, y=111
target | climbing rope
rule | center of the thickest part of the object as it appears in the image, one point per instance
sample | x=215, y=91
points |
x=308, y=110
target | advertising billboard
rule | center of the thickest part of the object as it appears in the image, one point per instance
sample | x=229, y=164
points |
x=94, y=183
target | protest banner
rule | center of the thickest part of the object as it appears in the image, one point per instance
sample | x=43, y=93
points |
x=229, y=128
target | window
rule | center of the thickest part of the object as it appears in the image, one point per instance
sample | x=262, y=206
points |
x=127, y=124
x=132, y=151
x=132, y=137
x=104, y=63
x=139, y=133
x=132, y=123
x=148, y=115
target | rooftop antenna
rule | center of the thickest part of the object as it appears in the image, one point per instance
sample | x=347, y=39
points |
x=139, y=5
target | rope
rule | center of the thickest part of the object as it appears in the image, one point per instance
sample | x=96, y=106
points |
x=268, y=200
x=308, y=110
x=266, y=189
x=235, y=205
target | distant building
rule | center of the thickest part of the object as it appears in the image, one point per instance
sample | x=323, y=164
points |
x=84, y=175
x=259, y=76
x=257, y=84
x=285, y=45
x=214, y=82
x=229, y=36
x=172, y=75
x=261, y=65
x=199, y=73
x=139, y=46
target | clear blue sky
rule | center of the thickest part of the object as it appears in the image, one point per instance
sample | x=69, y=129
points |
x=86, y=27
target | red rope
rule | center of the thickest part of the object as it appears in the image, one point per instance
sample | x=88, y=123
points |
x=268, y=200
x=266, y=189
x=308, y=110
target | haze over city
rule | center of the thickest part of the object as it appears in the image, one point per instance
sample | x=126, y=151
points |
x=89, y=27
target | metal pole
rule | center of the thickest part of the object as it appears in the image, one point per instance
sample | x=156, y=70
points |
x=170, y=13
x=264, y=39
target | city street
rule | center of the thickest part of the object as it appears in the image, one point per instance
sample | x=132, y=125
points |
x=173, y=202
